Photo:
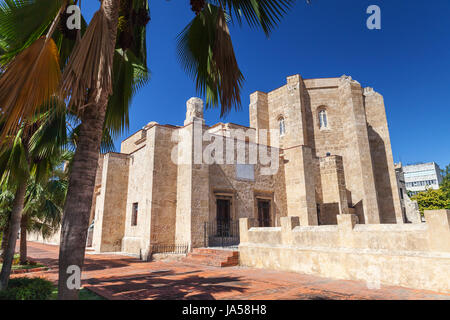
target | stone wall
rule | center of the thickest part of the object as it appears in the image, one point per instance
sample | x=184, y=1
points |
x=409, y=255
x=192, y=209
x=300, y=184
x=136, y=238
x=357, y=131
x=164, y=189
x=52, y=239
x=333, y=193
x=383, y=161
x=244, y=193
x=111, y=204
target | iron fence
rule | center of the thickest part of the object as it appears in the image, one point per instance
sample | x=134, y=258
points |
x=221, y=234
x=170, y=248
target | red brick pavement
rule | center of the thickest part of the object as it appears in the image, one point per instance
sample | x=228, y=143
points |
x=122, y=277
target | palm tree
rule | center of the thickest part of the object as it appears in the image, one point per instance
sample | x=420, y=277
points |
x=19, y=161
x=205, y=50
x=33, y=160
x=44, y=204
x=6, y=200
x=51, y=136
x=15, y=168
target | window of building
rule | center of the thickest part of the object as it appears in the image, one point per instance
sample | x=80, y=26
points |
x=282, y=126
x=134, y=214
x=323, y=120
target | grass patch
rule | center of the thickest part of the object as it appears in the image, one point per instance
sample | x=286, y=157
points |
x=38, y=289
x=17, y=266
x=26, y=266
x=85, y=294
x=27, y=289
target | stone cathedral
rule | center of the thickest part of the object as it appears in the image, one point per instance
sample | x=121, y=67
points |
x=333, y=157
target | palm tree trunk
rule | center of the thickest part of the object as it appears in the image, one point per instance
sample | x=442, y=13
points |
x=23, y=239
x=14, y=226
x=82, y=178
x=5, y=240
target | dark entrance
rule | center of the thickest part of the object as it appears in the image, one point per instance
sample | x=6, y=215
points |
x=223, y=232
x=264, y=213
x=223, y=211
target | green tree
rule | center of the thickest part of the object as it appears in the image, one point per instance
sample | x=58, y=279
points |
x=435, y=199
x=42, y=207
x=445, y=185
x=6, y=200
x=34, y=49
x=205, y=50
x=44, y=203
x=432, y=200
x=25, y=159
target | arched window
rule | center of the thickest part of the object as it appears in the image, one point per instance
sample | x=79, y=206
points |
x=323, y=120
x=282, y=126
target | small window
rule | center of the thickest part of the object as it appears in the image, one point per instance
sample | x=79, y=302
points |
x=134, y=214
x=282, y=126
x=323, y=120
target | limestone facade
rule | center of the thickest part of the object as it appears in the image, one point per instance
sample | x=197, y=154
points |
x=315, y=149
x=409, y=255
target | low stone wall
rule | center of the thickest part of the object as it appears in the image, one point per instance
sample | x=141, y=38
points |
x=409, y=255
x=37, y=237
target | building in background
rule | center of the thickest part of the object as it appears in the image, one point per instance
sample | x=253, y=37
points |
x=422, y=176
x=410, y=208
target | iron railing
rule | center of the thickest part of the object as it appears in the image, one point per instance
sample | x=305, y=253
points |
x=221, y=234
x=170, y=248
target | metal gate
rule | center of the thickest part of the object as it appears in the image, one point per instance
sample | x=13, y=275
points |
x=221, y=234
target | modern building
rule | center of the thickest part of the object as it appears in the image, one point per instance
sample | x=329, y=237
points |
x=422, y=176
x=410, y=208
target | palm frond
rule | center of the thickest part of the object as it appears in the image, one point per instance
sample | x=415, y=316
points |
x=51, y=136
x=206, y=52
x=257, y=13
x=24, y=21
x=89, y=65
x=66, y=44
x=130, y=74
x=130, y=64
x=14, y=163
x=30, y=80
x=107, y=143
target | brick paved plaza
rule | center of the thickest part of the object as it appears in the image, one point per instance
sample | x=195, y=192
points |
x=122, y=277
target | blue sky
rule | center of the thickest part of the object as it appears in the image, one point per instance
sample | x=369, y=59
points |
x=407, y=61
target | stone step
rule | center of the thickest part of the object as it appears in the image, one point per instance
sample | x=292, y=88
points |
x=217, y=252
x=210, y=262
x=213, y=257
x=206, y=257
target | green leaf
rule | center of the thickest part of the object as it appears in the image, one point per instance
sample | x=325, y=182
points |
x=206, y=52
x=257, y=13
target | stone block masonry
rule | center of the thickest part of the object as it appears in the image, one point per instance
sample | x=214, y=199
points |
x=409, y=255
x=317, y=150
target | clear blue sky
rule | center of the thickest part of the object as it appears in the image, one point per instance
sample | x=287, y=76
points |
x=407, y=61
